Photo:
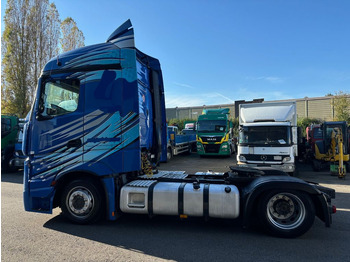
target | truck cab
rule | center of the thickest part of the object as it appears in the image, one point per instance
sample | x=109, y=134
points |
x=99, y=111
x=180, y=141
x=313, y=134
x=214, y=133
x=268, y=136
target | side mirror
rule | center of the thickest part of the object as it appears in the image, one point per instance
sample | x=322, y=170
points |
x=243, y=129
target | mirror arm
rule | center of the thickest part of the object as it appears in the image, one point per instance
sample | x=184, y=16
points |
x=40, y=117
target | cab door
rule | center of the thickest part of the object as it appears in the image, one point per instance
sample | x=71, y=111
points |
x=57, y=129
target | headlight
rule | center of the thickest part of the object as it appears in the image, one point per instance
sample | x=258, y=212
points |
x=286, y=159
x=16, y=153
x=242, y=159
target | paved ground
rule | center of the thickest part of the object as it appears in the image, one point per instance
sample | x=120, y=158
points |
x=40, y=237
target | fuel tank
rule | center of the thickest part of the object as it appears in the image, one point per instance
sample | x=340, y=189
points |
x=173, y=198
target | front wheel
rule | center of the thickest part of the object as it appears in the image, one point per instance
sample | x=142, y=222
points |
x=81, y=202
x=286, y=213
x=169, y=154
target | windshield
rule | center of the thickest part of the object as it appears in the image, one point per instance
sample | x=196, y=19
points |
x=265, y=135
x=217, y=126
x=317, y=132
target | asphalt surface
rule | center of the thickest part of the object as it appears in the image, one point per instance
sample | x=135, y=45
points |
x=29, y=236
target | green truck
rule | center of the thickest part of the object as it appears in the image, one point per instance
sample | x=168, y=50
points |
x=9, y=132
x=214, y=133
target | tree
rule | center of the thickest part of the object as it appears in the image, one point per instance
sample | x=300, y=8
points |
x=53, y=31
x=45, y=32
x=38, y=40
x=30, y=38
x=304, y=122
x=180, y=123
x=72, y=37
x=341, y=105
x=16, y=58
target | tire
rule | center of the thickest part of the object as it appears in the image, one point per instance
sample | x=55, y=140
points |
x=81, y=202
x=296, y=171
x=286, y=213
x=169, y=154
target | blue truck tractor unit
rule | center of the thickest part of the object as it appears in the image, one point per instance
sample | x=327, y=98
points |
x=97, y=132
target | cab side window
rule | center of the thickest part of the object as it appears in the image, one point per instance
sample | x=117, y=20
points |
x=59, y=97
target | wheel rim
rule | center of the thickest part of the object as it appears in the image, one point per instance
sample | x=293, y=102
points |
x=286, y=211
x=80, y=202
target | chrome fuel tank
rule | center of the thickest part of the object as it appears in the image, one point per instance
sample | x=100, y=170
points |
x=172, y=198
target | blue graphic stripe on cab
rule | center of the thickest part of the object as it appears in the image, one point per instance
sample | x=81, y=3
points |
x=109, y=136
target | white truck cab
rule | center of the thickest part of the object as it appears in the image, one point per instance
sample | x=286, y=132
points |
x=268, y=135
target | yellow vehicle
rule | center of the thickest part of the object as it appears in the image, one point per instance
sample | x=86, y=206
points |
x=333, y=149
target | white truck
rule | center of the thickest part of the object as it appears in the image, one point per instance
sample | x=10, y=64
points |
x=268, y=136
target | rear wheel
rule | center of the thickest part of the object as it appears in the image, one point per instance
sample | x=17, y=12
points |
x=81, y=202
x=286, y=213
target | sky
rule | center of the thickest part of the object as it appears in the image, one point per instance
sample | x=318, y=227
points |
x=216, y=52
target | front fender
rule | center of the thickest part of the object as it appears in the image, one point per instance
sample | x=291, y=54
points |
x=104, y=175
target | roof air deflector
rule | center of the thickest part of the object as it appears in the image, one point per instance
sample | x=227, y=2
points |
x=123, y=36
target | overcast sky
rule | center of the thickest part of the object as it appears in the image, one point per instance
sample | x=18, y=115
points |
x=216, y=52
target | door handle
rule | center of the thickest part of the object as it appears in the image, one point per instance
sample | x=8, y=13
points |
x=74, y=143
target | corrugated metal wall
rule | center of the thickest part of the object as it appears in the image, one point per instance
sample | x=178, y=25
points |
x=317, y=107
x=320, y=108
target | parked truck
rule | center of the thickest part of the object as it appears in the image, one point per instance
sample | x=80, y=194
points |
x=9, y=133
x=268, y=136
x=214, y=133
x=180, y=142
x=88, y=153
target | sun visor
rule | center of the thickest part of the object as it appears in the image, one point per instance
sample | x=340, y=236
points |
x=123, y=36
